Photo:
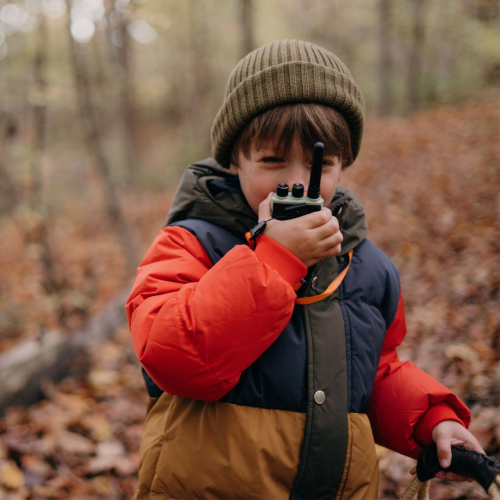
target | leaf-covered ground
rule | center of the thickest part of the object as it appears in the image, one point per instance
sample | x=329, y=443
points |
x=430, y=188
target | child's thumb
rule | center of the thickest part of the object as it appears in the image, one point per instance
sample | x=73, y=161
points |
x=444, y=454
x=265, y=208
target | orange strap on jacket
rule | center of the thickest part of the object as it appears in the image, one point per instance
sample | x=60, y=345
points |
x=331, y=287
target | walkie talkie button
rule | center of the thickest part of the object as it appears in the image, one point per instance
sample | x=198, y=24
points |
x=298, y=190
x=282, y=189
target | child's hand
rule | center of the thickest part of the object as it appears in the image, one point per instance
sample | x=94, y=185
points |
x=311, y=238
x=447, y=434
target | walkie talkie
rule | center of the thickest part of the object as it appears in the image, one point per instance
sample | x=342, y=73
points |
x=286, y=205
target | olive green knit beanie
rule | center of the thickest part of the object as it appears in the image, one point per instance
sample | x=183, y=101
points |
x=284, y=72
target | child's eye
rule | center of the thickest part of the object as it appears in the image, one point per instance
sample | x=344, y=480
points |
x=326, y=163
x=273, y=159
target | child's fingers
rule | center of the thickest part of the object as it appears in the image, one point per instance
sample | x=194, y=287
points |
x=330, y=228
x=448, y=433
x=444, y=453
x=332, y=241
x=265, y=208
x=473, y=444
x=317, y=219
x=450, y=476
x=454, y=436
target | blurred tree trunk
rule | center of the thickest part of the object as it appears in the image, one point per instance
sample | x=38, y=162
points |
x=415, y=55
x=331, y=22
x=36, y=229
x=9, y=196
x=38, y=100
x=175, y=98
x=446, y=49
x=385, y=62
x=120, y=56
x=200, y=114
x=247, y=23
x=93, y=134
x=323, y=23
x=11, y=121
x=127, y=98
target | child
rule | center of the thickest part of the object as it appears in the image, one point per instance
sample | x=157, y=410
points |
x=264, y=383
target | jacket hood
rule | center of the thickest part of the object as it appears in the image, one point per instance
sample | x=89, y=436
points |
x=210, y=192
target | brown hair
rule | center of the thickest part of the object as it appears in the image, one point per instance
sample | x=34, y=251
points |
x=313, y=122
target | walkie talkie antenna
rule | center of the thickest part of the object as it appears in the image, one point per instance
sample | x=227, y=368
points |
x=316, y=168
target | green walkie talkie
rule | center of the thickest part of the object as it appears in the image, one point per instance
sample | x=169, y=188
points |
x=286, y=205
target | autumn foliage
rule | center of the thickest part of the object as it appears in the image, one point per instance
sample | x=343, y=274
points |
x=429, y=185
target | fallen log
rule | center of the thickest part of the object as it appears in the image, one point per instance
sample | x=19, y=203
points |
x=25, y=367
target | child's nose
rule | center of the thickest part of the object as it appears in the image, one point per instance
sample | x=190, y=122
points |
x=300, y=177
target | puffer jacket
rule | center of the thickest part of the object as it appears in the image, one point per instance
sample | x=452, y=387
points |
x=253, y=396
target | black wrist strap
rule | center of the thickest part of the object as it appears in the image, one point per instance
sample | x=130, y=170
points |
x=256, y=231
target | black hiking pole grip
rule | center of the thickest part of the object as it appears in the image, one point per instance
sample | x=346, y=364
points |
x=479, y=467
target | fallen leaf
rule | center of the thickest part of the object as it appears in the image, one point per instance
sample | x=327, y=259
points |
x=36, y=465
x=74, y=443
x=462, y=352
x=11, y=476
x=100, y=379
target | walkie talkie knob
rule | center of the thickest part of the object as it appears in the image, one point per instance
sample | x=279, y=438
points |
x=298, y=190
x=282, y=189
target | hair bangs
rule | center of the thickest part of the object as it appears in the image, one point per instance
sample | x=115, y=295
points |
x=313, y=122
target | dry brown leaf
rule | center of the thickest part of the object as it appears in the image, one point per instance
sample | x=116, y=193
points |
x=47, y=445
x=100, y=379
x=48, y=492
x=36, y=465
x=75, y=404
x=463, y=352
x=74, y=443
x=21, y=494
x=108, y=455
x=3, y=450
x=11, y=477
x=102, y=486
x=99, y=427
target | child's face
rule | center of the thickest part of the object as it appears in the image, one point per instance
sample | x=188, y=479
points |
x=265, y=169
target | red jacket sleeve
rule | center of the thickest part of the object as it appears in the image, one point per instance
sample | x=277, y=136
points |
x=406, y=402
x=195, y=327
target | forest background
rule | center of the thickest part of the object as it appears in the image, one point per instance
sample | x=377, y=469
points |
x=102, y=105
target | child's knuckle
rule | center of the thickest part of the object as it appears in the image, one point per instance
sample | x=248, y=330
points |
x=323, y=217
x=334, y=224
